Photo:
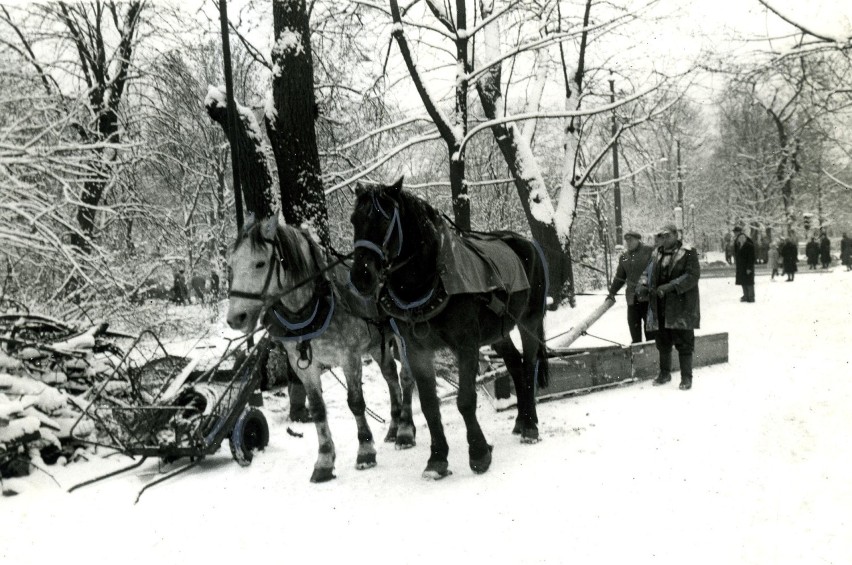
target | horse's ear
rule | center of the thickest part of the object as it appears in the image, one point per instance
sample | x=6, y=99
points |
x=396, y=187
x=360, y=189
x=269, y=227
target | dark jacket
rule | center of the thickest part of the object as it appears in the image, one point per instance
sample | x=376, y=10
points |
x=846, y=250
x=789, y=256
x=744, y=254
x=631, y=265
x=682, y=306
x=825, y=250
x=812, y=251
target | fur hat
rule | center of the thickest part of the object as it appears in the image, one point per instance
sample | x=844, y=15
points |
x=737, y=229
x=667, y=228
x=633, y=234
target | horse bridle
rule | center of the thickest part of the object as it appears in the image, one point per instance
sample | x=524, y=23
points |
x=276, y=258
x=384, y=251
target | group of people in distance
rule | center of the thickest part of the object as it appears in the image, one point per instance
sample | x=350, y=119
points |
x=661, y=288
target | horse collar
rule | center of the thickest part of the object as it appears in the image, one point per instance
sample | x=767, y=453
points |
x=305, y=324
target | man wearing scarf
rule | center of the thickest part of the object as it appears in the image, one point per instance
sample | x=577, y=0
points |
x=671, y=283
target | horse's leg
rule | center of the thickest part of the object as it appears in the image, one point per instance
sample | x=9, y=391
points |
x=479, y=452
x=355, y=398
x=401, y=430
x=310, y=377
x=407, y=431
x=515, y=365
x=530, y=330
x=421, y=363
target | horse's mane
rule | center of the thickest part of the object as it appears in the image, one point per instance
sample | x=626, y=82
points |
x=417, y=208
x=296, y=261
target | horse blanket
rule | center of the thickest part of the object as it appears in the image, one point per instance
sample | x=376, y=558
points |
x=479, y=263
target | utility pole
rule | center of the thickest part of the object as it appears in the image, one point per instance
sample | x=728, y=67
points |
x=679, y=186
x=232, y=111
x=617, y=188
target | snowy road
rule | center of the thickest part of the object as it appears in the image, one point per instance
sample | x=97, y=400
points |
x=751, y=466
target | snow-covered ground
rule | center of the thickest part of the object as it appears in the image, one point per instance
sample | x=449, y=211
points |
x=751, y=466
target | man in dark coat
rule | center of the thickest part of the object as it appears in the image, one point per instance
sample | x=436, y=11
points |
x=671, y=283
x=214, y=284
x=744, y=253
x=812, y=253
x=789, y=258
x=824, y=251
x=179, y=290
x=631, y=265
x=846, y=251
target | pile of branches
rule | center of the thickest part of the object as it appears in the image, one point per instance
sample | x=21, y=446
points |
x=49, y=370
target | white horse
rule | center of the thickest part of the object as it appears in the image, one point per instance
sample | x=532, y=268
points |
x=280, y=273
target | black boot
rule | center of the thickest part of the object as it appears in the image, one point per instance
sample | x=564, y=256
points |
x=665, y=369
x=685, y=370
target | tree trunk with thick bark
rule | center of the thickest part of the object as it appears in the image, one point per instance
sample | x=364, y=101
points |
x=256, y=179
x=290, y=123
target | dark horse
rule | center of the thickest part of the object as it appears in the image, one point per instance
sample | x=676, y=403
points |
x=401, y=245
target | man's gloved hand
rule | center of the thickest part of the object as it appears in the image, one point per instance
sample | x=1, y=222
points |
x=748, y=271
x=610, y=296
x=664, y=289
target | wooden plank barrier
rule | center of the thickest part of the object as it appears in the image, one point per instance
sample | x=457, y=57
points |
x=580, y=371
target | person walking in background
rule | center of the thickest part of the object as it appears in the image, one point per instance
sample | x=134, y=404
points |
x=824, y=250
x=789, y=258
x=631, y=265
x=846, y=251
x=745, y=258
x=812, y=253
x=772, y=261
x=671, y=283
x=729, y=248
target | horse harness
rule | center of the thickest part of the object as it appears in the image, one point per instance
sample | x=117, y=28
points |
x=435, y=300
x=302, y=325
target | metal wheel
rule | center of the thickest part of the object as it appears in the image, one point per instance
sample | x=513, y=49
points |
x=250, y=433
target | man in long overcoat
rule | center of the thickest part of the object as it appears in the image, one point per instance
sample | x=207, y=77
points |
x=671, y=282
x=631, y=265
x=744, y=253
x=812, y=253
x=846, y=251
x=789, y=258
x=824, y=251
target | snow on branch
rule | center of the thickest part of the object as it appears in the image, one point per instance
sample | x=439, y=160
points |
x=847, y=186
x=381, y=160
x=558, y=114
x=803, y=28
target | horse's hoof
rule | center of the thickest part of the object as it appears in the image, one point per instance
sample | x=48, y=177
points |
x=518, y=429
x=322, y=475
x=365, y=461
x=481, y=464
x=530, y=435
x=436, y=471
x=405, y=442
x=391, y=436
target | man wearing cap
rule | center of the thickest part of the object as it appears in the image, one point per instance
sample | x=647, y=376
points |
x=744, y=256
x=631, y=264
x=671, y=283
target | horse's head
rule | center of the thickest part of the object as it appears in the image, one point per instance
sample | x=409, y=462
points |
x=377, y=234
x=265, y=261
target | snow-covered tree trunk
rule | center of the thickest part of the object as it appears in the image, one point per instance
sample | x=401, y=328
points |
x=290, y=114
x=256, y=179
x=529, y=181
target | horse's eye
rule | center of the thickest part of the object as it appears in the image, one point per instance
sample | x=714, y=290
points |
x=260, y=264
